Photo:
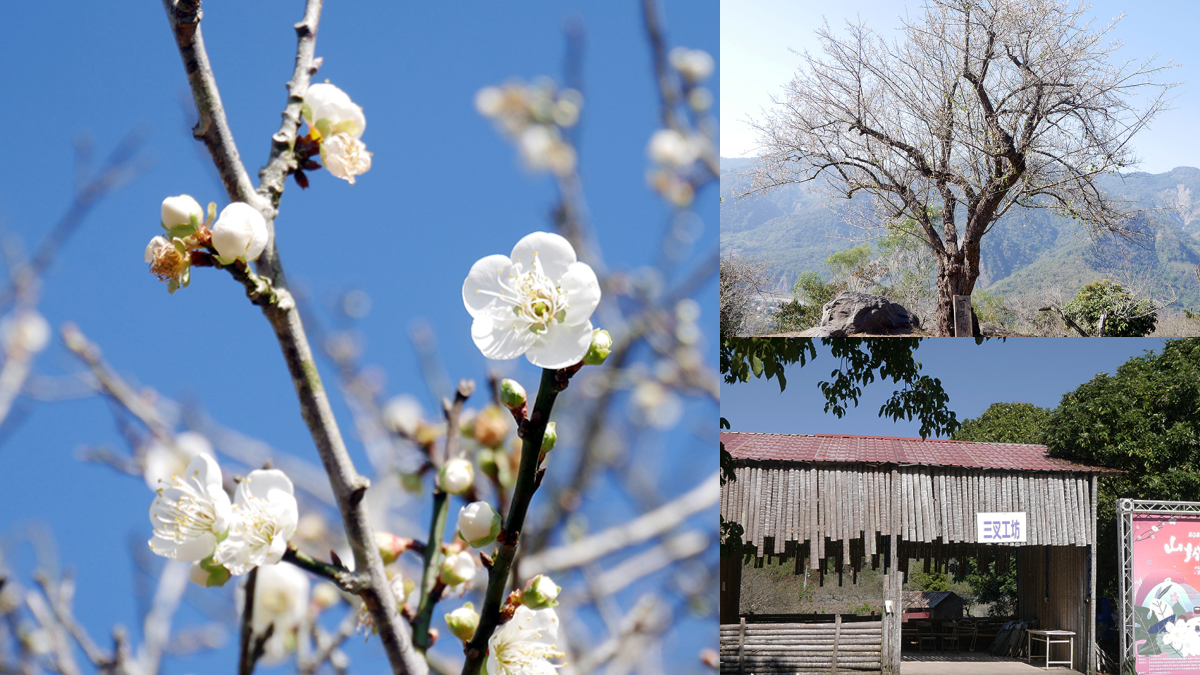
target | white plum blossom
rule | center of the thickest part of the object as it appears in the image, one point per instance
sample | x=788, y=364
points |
x=162, y=461
x=478, y=524
x=537, y=301
x=694, y=65
x=403, y=415
x=191, y=513
x=671, y=148
x=281, y=596
x=457, y=568
x=524, y=644
x=345, y=156
x=339, y=124
x=24, y=332
x=456, y=477
x=265, y=518
x=181, y=210
x=169, y=261
x=240, y=233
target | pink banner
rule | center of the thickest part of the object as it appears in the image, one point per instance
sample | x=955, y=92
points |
x=1166, y=576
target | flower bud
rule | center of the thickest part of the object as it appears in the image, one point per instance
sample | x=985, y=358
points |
x=411, y=482
x=331, y=111
x=457, y=568
x=239, y=234
x=24, y=332
x=463, y=622
x=456, y=477
x=391, y=546
x=540, y=593
x=550, y=437
x=491, y=427
x=478, y=524
x=325, y=595
x=486, y=457
x=181, y=210
x=599, y=349
x=207, y=574
x=512, y=394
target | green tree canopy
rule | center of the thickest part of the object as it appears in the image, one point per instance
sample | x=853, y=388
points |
x=1145, y=421
x=1005, y=423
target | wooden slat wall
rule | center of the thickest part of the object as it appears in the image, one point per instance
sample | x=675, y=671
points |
x=784, y=507
x=801, y=647
x=1068, y=602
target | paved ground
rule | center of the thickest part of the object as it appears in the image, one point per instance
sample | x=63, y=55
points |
x=969, y=664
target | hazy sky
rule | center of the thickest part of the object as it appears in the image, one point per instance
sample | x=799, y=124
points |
x=1028, y=370
x=756, y=36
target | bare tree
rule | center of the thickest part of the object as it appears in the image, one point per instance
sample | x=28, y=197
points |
x=985, y=105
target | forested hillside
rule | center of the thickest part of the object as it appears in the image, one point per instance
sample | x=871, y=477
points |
x=792, y=229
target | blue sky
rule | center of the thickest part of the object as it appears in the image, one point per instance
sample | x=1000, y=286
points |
x=444, y=190
x=1029, y=370
x=756, y=36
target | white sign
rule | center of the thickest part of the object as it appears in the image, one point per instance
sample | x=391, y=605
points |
x=1000, y=527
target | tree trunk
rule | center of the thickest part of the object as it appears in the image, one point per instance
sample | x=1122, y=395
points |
x=955, y=278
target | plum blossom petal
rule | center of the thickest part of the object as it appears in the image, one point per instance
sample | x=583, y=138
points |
x=524, y=644
x=191, y=513
x=265, y=519
x=536, y=302
x=333, y=106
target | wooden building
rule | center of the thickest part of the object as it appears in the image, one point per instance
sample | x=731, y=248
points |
x=935, y=605
x=857, y=499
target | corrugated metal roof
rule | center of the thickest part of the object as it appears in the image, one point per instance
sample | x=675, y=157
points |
x=885, y=450
x=924, y=599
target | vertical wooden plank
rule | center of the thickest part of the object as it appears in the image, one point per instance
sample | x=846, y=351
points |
x=837, y=636
x=744, y=501
x=793, y=504
x=813, y=504
x=1092, y=665
x=781, y=512
x=941, y=497
x=742, y=645
x=757, y=505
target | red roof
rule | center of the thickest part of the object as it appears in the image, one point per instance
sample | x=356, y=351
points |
x=885, y=450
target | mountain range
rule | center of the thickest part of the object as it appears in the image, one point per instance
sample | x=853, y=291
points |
x=793, y=229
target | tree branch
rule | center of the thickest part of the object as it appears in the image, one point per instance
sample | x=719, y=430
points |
x=348, y=486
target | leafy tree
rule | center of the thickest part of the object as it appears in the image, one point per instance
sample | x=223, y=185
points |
x=852, y=269
x=1103, y=308
x=1005, y=423
x=979, y=108
x=1145, y=421
x=811, y=294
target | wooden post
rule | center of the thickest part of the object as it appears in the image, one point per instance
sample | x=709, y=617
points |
x=1091, y=639
x=741, y=645
x=837, y=634
x=962, y=316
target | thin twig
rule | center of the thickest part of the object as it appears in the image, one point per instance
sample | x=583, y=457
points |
x=246, y=658
x=532, y=433
x=652, y=524
x=437, y=525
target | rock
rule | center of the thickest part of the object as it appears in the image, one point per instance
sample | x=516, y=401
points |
x=852, y=312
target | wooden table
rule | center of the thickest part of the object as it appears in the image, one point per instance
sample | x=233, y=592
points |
x=1048, y=637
